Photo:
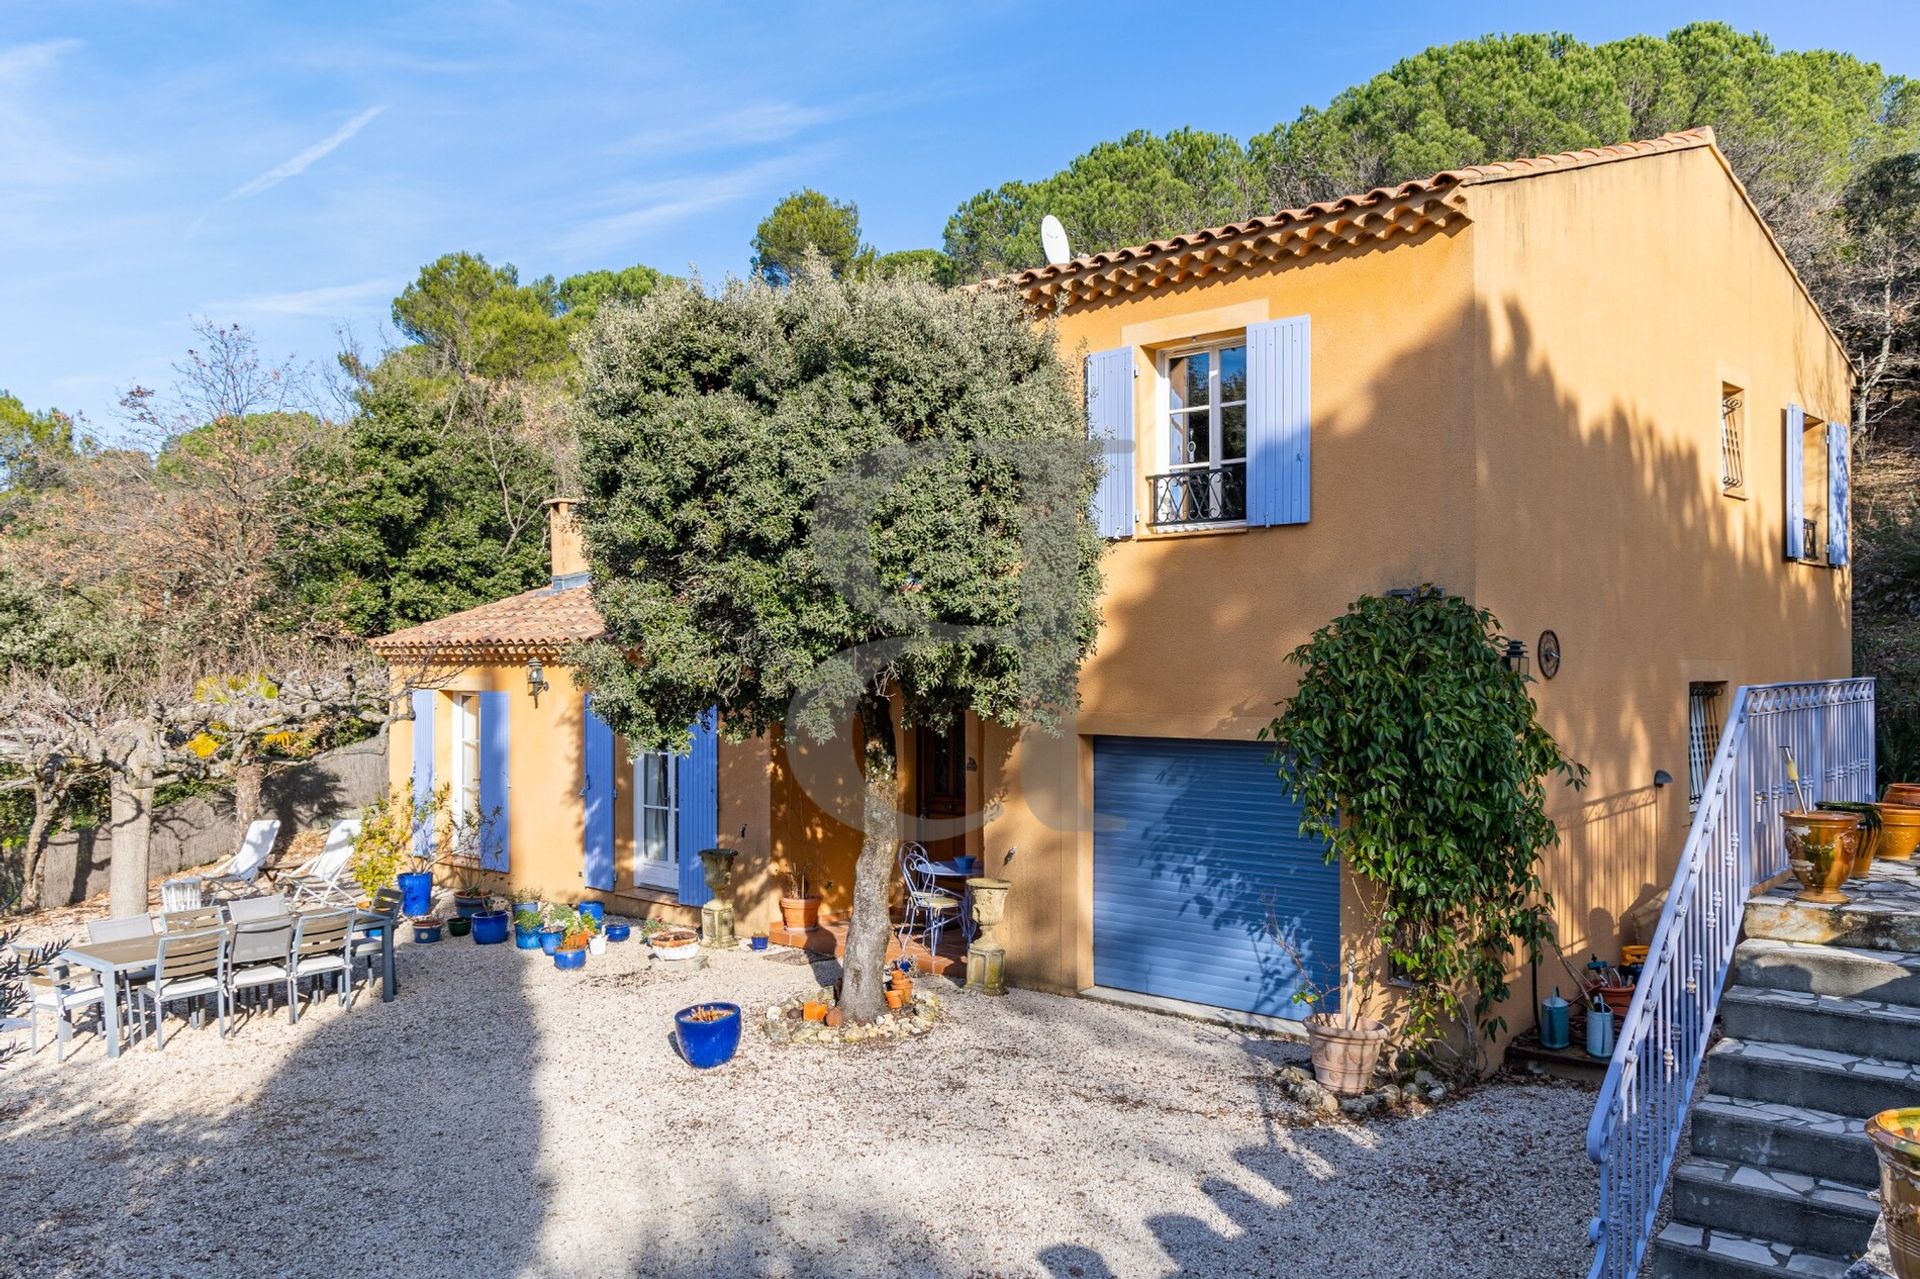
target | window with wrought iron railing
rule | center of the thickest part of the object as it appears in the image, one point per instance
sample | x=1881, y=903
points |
x=1703, y=735
x=1733, y=473
x=1205, y=435
x=1214, y=495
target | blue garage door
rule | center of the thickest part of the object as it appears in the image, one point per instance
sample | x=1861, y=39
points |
x=1198, y=861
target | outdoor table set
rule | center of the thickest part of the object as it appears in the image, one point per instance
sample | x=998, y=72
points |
x=218, y=952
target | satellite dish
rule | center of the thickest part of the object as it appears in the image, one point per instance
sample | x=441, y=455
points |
x=1053, y=238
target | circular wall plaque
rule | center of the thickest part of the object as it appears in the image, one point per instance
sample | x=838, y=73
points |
x=1548, y=651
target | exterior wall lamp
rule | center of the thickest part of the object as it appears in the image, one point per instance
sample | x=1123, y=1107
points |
x=1515, y=658
x=536, y=679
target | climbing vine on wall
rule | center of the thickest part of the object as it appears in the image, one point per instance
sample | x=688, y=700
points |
x=1417, y=757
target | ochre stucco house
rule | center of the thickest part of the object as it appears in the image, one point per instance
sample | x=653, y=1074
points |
x=1585, y=391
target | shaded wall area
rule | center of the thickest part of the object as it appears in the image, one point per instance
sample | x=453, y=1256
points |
x=202, y=829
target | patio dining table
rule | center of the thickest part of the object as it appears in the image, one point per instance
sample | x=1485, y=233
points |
x=110, y=959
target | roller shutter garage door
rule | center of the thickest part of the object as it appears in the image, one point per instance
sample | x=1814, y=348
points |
x=1197, y=860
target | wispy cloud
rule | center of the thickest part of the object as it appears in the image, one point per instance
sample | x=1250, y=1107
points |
x=296, y=165
x=653, y=205
x=33, y=154
x=755, y=124
x=328, y=300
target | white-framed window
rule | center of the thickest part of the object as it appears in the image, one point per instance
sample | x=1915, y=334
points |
x=1203, y=433
x=464, y=785
x=1815, y=488
x=1733, y=428
x=656, y=813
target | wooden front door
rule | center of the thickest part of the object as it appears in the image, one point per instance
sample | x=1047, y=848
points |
x=940, y=783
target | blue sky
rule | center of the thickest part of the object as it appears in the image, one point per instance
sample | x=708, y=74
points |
x=290, y=166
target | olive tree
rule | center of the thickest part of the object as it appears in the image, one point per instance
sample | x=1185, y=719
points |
x=809, y=505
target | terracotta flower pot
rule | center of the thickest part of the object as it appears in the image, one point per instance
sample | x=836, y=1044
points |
x=894, y=998
x=1899, y=833
x=1818, y=853
x=814, y=1010
x=1895, y=1135
x=1858, y=851
x=1901, y=793
x=1617, y=999
x=902, y=983
x=800, y=913
x=1343, y=1058
x=835, y=1017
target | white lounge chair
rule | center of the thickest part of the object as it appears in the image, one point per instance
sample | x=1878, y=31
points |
x=245, y=866
x=327, y=880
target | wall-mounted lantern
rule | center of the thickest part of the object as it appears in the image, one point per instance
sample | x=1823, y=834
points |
x=536, y=679
x=1515, y=658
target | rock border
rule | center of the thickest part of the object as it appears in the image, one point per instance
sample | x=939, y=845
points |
x=784, y=1023
x=1401, y=1099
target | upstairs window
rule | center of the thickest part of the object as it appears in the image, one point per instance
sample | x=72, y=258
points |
x=1733, y=472
x=464, y=787
x=1816, y=491
x=1206, y=437
x=1703, y=735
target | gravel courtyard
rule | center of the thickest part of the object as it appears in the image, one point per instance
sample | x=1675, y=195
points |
x=505, y=1118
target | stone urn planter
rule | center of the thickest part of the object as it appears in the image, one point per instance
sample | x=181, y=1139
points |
x=1819, y=854
x=989, y=909
x=716, y=917
x=1899, y=833
x=1895, y=1135
x=1344, y=1056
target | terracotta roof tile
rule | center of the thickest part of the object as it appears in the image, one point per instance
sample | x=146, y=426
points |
x=1373, y=215
x=546, y=619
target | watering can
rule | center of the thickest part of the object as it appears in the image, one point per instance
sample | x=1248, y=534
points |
x=1599, y=1030
x=1553, y=1021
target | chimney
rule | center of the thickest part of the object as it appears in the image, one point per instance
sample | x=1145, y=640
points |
x=563, y=540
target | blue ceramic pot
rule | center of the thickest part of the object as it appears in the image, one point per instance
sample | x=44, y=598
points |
x=570, y=958
x=416, y=892
x=706, y=1044
x=759, y=941
x=526, y=938
x=467, y=906
x=550, y=939
x=619, y=932
x=490, y=927
x=596, y=909
x=424, y=933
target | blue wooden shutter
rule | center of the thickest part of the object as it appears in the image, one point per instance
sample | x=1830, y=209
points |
x=1796, y=484
x=1279, y=422
x=1839, y=493
x=495, y=751
x=424, y=702
x=598, y=797
x=697, y=789
x=1110, y=421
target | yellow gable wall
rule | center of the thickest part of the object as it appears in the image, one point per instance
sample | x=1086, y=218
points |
x=1613, y=304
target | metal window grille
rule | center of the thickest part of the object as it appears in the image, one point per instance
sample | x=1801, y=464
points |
x=1703, y=736
x=1732, y=463
x=1200, y=495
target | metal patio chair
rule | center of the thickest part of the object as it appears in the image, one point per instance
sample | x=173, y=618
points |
x=926, y=907
x=197, y=920
x=261, y=957
x=386, y=901
x=322, y=947
x=244, y=909
x=62, y=990
x=186, y=966
x=130, y=926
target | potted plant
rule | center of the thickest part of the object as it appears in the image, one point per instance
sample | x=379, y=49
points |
x=675, y=943
x=426, y=929
x=1344, y=1043
x=469, y=900
x=528, y=919
x=709, y=1034
x=901, y=980
x=554, y=923
x=800, y=907
x=576, y=930
x=1895, y=1135
x=1819, y=852
x=490, y=924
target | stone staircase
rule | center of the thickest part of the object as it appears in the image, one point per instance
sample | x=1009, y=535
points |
x=1821, y=1028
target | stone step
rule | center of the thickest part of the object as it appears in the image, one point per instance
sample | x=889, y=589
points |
x=1881, y=912
x=1813, y=1078
x=1683, y=1251
x=1844, y=972
x=1863, y=1027
x=1791, y=1208
x=1773, y=1135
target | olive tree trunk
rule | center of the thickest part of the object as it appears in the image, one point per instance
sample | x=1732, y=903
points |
x=863, y=996
x=247, y=781
x=130, y=791
x=48, y=794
